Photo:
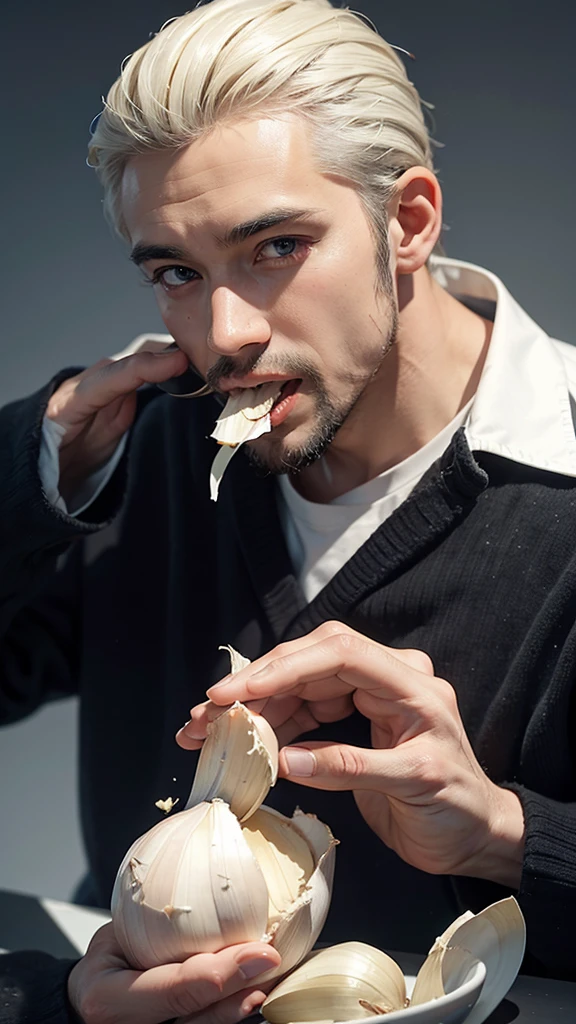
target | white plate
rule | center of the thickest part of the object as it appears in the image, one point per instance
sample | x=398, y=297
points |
x=453, y=1008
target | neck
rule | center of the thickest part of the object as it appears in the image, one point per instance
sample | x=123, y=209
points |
x=427, y=377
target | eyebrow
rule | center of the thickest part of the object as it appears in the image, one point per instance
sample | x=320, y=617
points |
x=142, y=252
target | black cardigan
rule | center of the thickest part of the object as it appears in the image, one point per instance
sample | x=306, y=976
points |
x=127, y=606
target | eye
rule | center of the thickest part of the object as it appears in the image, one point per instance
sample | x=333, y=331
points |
x=283, y=249
x=173, y=277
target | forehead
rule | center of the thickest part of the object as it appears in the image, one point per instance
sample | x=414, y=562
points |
x=223, y=177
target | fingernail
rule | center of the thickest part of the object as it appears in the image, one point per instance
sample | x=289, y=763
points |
x=299, y=761
x=219, y=686
x=252, y=968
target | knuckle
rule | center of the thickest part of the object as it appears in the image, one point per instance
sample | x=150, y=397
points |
x=349, y=762
x=93, y=1009
x=192, y=997
x=447, y=694
x=420, y=661
x=283, y=650
x=346, y=642
x=332, y=628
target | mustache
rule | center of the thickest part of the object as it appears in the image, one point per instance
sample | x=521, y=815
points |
x=288, y=366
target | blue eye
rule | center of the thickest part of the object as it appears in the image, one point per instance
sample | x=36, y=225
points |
x=175, y=277
x=281, y=247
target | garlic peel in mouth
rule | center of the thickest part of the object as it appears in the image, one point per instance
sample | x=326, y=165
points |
x=227, y=452
x=251, y=404
x=245, y=417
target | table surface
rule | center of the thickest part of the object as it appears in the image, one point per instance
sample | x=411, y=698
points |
x=62, y=929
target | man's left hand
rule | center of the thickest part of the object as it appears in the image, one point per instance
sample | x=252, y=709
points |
x=420, y=787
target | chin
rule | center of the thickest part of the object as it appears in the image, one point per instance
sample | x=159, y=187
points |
x=292, y=452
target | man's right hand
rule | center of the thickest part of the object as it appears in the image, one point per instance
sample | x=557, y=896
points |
x=97, y=407
x=209, y=988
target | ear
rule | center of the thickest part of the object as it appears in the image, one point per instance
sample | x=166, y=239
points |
x=415, y=219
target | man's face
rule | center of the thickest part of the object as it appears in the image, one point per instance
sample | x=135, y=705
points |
x=264, y=269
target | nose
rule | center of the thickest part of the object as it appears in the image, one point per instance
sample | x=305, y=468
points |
x=235, y=323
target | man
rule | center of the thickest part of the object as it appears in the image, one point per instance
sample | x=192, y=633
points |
x=409, y=513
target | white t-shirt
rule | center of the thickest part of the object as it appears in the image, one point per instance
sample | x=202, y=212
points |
x=322, y=537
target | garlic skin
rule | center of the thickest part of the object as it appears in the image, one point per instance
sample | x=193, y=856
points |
x=238, y=765
x=225, y=869
x=242, y=410
x=245, y=417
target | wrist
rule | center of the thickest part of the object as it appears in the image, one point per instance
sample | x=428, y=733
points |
x=500, y=858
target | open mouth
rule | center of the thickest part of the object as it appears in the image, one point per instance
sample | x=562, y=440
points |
x=284, y=402
x=290, y=387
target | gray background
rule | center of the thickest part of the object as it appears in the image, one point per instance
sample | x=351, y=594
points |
x=501, y=78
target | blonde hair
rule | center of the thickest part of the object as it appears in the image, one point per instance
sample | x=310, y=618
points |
x=238, y=59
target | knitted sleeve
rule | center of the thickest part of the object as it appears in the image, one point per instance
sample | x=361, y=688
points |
x=39, y=566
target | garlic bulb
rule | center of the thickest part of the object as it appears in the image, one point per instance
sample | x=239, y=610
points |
x=245, y=417
x=225, y=869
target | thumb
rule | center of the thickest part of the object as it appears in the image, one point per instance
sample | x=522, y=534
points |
x=335, y=766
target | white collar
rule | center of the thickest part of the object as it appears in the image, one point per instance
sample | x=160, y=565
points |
x=522, y=408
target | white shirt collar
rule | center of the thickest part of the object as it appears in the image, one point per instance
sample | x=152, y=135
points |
x=522, y=408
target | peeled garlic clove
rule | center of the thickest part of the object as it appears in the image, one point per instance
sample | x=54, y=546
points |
x=344, y=982
x=238, y=762
x=251, y=404
x=182, y=887
x=221, y=460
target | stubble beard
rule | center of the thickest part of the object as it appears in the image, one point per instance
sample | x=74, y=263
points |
x=277, y=456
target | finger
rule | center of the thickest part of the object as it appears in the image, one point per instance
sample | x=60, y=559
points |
x=278, y=711
x=178, y=990
x=102, y=384
x=338, y=766
x=302, y=643
x=333, y=710
x=229, y=1010
x=419, y=660
x=193, y=733
x=329, y=668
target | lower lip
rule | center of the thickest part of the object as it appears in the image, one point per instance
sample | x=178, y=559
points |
x=289, y=396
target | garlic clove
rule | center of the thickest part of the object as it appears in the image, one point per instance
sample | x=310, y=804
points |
x=342, y=983
x=284, y=856
x=297, y=931
x=226, y=452
x=238, y=762
x=181, y=889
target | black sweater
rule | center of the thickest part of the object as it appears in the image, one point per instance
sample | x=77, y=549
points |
x=127, y=608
